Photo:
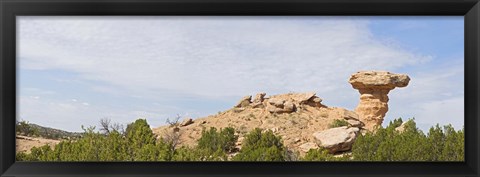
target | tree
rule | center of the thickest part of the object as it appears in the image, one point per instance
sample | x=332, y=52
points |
x=24, y=128
x=387, y=144
x=259, y=146
x=138, y=135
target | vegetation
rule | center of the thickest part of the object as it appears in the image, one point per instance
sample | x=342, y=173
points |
x=24, y=128
x=28, y=129
x=411, y=144
x=138, y=143
x=259, y=146
x=338, y=123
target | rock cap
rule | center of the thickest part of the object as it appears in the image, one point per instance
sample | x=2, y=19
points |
x=378, y=80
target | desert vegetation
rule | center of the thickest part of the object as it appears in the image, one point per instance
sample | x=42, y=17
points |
x=400, y=141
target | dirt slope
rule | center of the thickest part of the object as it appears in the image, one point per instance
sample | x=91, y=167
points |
x=25, y=143
x=295, y=126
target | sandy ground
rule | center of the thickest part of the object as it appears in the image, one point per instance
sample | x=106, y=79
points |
x=25, y=143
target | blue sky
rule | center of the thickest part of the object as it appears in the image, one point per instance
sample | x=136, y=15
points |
x=74, y=71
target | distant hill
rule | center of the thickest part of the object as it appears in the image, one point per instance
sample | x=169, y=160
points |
x=32, y=135
x=34, y=130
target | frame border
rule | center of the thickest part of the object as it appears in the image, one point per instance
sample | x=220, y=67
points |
x=9, y=9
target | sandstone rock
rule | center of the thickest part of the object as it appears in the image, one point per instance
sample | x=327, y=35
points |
x=186, y=122
x=401, y=128
x=237, y=110
x=378, y=80
x=239, y=141
x=316, y=100
x=278, y=105
x=306, y=97
x=288, y=106
x=276, y=102
x=355, y=123
x=257, y=105
x=244, y=102
x=374, y=87
x=259, y=97
x=341, y=113
x=307, y=146
x=336, y=139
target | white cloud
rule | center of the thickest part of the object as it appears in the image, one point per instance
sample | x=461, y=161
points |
x=207, y=57
x=432, y=97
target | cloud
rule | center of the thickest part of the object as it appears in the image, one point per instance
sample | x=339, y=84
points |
x=207, y=57
x=433, y=96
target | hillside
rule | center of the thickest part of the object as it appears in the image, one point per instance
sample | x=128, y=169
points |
x=32, y=135
x=295, y=118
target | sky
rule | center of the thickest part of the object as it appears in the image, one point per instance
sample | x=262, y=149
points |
x=74, y=71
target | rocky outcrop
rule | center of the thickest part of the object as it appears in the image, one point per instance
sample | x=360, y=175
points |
x=307, y=146
x=186, y=122
x=374, y=87
x=244, y=102
x=402, y=127
x=336, y=139
x=285, y=103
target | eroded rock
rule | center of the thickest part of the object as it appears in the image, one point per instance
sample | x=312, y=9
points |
x=336, y=139
x=307, y=146
x=244, y=102
x=374, y=87
x=186, y=122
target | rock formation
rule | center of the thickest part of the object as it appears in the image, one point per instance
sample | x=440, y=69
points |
x=301, y=119
x=337, y=139
x=186, y=122
x=374, y=87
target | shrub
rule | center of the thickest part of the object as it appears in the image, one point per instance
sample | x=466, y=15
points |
x=338, y=123
x=322, y=155
x=24, y=128
x=259, y=146
x=387, y=144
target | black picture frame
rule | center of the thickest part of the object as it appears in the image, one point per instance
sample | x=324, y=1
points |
x=9, y=9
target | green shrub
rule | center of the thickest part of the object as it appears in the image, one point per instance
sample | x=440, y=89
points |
x=24, y=128
x=259, y=146
x=338, y=123
x=138, y=143
x=322, y=155
x=387, y=144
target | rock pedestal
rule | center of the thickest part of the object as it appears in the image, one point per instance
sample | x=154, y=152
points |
x=374, y=87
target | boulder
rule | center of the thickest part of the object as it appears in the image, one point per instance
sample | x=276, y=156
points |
x=276, y=102
x=307, y=146
x=259, y=97
x=257, y=105
x=186, y=122
x=306, y=97
x=288, y=106
x=355, y=123
x=244, y=102
x=316, y=99
x=401, y=128
x=336, y=139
